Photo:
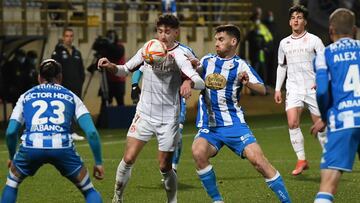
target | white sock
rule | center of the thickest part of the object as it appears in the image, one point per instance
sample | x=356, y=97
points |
x=123, y=174
x=170, y=183
x=297, y=141
x=324, y=197
x=322, y=138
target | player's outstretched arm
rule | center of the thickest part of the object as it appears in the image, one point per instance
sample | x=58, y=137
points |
x=11, y=137
x=87, y=125
x=257, y=87
x=119, y=70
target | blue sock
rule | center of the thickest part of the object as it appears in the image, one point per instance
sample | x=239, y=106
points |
x=276, y=184
x=87, y=189
x=324, y=197
x=9, y=194
x=208, y=179
x=92, y=196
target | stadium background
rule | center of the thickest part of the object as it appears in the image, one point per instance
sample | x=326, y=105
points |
x=91, y=18
x=134, y=22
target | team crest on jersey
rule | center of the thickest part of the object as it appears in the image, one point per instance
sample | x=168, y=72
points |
x=132, y=129
x=215, y=81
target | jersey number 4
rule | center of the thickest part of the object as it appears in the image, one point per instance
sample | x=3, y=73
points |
x=352, y=80
x=43, y=106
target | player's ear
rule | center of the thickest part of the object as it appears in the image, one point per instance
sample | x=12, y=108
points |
x=39, y=79
x=177, y=31
x=233, y=41
x=331, y=32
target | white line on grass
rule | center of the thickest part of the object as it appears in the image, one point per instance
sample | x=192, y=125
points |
x=184, y=135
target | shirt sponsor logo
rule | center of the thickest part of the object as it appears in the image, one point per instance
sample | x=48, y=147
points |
x=215, y=81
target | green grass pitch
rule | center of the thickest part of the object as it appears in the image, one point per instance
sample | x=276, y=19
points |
x=237, y=179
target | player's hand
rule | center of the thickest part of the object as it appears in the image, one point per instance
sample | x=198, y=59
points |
x=243, y=78
x=104, y=63
x=98, y=172
x=194, y=62
x=318, y=126
x=185, y=89
x=313, y=87
x=8, y=163
x=135, y=93
x=278, y=97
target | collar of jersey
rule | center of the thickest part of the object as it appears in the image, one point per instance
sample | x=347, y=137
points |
x=174, y=47
x=292, y=37
x=234, y=57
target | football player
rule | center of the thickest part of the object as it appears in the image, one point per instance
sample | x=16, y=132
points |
x=47, y=111
x=338, y=94
x=221, y=121
x=159, y=105
x=295, y=58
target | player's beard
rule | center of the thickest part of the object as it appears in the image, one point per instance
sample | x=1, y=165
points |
x=222, y=52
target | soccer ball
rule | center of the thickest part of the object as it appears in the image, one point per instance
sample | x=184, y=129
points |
x=154, y=52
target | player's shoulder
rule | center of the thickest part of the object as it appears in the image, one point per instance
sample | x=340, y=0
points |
x=285, y=40
x=185, y=48
x=313, y=36
x=208, y=56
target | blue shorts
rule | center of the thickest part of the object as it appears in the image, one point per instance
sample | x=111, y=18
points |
x=340, y=149
x=28, y=160
x=235, y=137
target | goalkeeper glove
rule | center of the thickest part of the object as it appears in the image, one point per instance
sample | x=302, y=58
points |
x=135, y=93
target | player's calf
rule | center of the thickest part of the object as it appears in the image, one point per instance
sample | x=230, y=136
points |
x=170, y=185
x=273, y=178
x=123, y=174
x=83, y=182
x=13, y=181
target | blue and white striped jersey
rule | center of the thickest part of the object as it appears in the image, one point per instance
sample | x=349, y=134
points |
x=338, y=84
x=218, y=103
x=47, y=111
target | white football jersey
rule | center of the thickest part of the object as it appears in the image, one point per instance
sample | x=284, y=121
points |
x=298, y=55
x=160, y=98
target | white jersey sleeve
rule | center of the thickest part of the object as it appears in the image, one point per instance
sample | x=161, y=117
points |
x=135, y=61
x=183, y=62
x=17, y=113
x=80, y=108
x=319, y=46
x=281, y=69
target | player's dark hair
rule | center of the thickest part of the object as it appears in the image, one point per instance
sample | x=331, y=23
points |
x=342, y=21
x=230, y=29
x=168, y=20
x=67, y=29
x=50, y=70
x=299, y=9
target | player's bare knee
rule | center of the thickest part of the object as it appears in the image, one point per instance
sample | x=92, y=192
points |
x=165, y=166
x=82, y=174
x=129, y=159
x=199, y=155
x=293, y=124
x=14, y=171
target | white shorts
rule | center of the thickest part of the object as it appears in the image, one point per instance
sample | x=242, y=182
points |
x=300, y=100
x=167, y=134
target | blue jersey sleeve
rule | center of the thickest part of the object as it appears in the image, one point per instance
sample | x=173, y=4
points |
x=92, y=135
x=11, y=136
x=136, y=76
x=322, y=85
